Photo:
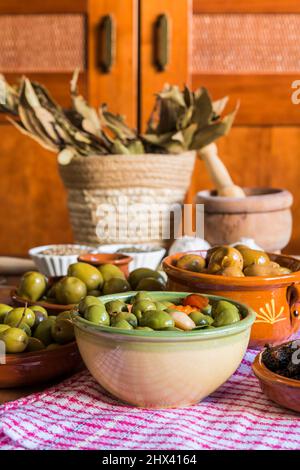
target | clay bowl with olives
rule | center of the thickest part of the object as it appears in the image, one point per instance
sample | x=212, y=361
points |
x=35, y=347
x=57, y=295
x=278, y=371
x=162, y=349
x=268, y=283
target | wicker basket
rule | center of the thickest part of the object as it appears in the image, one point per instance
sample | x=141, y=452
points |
x=124, y=183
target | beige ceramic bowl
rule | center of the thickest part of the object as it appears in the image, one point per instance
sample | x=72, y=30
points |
x=166, y=368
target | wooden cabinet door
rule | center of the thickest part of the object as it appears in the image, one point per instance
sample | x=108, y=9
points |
x=250, y=51
x=47, y=41
x=177, y=15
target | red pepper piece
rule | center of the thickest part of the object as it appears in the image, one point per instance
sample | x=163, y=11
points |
x=196, y=300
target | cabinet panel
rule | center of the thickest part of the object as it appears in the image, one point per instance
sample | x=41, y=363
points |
x=152, y=79
x=47, y=41
x=118, y=88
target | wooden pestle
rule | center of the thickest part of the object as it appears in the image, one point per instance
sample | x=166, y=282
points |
x=219, y=174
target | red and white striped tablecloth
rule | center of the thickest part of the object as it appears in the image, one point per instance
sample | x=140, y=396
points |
x=78, y=414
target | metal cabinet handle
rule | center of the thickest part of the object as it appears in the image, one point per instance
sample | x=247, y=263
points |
x=106, y=43
x=161, y=42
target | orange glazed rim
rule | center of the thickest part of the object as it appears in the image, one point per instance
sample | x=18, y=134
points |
x=247, y=281
x=266, y=375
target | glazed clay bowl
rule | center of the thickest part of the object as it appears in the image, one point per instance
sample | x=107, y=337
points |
x=281, y=390
x=161, y=369
x=118, y=259
x=53, y=309
x=275, y=299
x=26, y=369
x=264, y=215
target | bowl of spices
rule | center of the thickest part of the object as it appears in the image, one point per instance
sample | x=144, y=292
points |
x=54, y=260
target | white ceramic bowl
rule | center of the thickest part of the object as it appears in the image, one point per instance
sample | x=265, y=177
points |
x=55, y=265
x=141, y=259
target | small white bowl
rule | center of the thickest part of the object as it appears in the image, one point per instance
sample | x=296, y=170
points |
x=55, y=265
x=141, y=259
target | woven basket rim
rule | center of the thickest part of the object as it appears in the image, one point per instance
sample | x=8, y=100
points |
x=80, y=158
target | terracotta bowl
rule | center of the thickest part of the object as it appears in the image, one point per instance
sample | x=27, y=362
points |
x=53, y=309
x=264, y=215
x=281, y=390
x=96, y=259
x=160, y=369
x=276, y=300
x=32, y=368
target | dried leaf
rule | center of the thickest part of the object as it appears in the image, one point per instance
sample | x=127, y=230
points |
x=65, y=156
x=136, y=147
x=34, y=137
x=220, y=105
x=202, y=108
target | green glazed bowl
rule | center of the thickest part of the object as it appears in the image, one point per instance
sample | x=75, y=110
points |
x=161, y=369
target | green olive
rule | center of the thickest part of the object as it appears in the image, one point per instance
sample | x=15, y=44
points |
x=136, y=276
x=158, y=320
x=62, y=331
x=123, y=324
x=87, y=302
x=233, y=271
x=173, y=328
x=194, y=263
x=110, y=271
x=252, y=256
x=151, y=284
x=129, y=317
x=3, y=328
x=95, y=293
x=262, y=270
x=15, y=340
x=23, y=326
x=161, y=306
x=224, y=257
x=116, y=306
x=145, y=328
x=207, y=310
x=34, y=344
x=20, y=314
x=70, y=290
x=88, y=274
x=32, y=286
x=97, y=314
x=4, y=309
x=139, y=308
x=200, y=318
x=52, y=346
x=167, y=304
x=66, y=315
x=43, y=331
x=40, y=314
x=51, y=292
x=115, y=285
x=283, y=270
x=142, y=296
x=225, y=313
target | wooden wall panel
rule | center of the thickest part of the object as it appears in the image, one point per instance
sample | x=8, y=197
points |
x=118, y=88
x=32, y=196
x=33, y=207
x=264, y=99
x=244, y=6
